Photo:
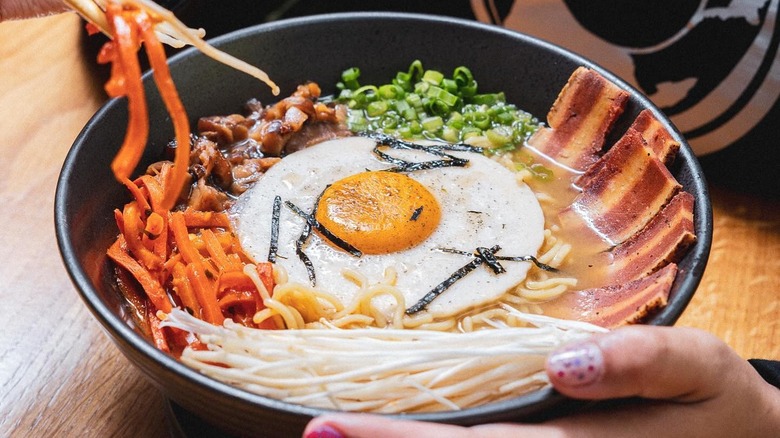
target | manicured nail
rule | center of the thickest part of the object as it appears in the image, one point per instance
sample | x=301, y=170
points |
x=576, y=365
x=324, y=431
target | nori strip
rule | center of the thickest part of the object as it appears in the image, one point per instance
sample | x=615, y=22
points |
x=444, y=285
x=312, y=222
x=274, y=246
x=489, y=257
x=416, y=214
x=527, y=258
x=482, y=255
x=407, y=166
x=302, y=255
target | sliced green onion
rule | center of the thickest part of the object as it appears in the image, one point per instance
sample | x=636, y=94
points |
x=450, y=85
x=432, y=123
x=432, y=77
x=376, y=108
x=499, y=136
x=479, y=119
x=450, y=134
x=420, y=103
x=350, y=78
x=456, y=120
x=488, y=99
x=391, y=91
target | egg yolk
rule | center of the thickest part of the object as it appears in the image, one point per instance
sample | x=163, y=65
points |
x=379, y=212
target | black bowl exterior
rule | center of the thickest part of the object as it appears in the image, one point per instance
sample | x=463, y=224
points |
x=318, y=48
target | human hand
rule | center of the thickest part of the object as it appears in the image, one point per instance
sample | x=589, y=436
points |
x=18, y=9
x=692, y=384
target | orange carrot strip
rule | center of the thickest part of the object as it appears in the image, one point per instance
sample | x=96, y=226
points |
x=214, y=248
x=155, y=226
x=139, y=196
x=155, y=194
x=120, y=222
x=157, y=332
x=183, y=288
x=181, y=125
x=196, y=218
x=205, y=292
x=133, y=236
x=155, y=190
x=243, y=298
x=182, y=237
x=235, y=280
x=226, y=239
x=172, y=260
x=266, y=272
x=126, y=46
x=235, y=259
x=155, y=235
x=147, y=281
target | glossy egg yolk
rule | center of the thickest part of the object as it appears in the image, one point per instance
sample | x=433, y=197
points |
x=379, y=212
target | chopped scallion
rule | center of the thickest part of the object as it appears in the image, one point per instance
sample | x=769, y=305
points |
x=420, y=103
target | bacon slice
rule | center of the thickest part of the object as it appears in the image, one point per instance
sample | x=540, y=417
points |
x=656, y=138
x=579, y=120
x=665, y=240
x=617, y=305
x=624, y=194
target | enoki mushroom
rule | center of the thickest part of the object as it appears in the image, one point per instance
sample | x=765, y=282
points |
x=380, y=370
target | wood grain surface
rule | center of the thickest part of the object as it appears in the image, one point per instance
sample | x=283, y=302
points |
x=61, y=376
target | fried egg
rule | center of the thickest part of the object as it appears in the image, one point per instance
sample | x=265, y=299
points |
x=423, y=224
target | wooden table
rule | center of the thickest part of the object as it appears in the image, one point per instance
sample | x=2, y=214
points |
x=61, y=376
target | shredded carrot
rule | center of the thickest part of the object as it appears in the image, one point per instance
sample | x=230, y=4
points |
x=184, y=290
x=186, y=258
x=181, y=125
x=130, y=27
x=235, y=280
x=205, y=291
x=217, y=253
x=196, y=218
x=182, y=236
x=158, y=335
x=147, y=281
x=134, y=225
x=266, y=273
x=120, y=222
x=126, y=81
x=239, y=298
x=154, y=190
x=138, y=195
x=155, y=225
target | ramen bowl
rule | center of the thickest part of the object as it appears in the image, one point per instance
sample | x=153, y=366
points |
x=318, y=48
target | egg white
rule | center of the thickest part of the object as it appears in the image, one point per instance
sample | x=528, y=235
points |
x=482, y=205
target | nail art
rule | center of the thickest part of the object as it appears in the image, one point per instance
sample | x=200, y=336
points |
x=576, y=365
x=324, y=431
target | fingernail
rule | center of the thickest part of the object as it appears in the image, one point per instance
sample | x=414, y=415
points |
x=324, y=431
x=576, y=365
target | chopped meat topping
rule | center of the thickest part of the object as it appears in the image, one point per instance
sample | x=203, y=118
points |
x=230, y=153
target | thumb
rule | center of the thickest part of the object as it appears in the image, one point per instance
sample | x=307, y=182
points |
x=681, y=364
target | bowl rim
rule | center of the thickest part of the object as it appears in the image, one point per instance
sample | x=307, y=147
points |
x=118, y=330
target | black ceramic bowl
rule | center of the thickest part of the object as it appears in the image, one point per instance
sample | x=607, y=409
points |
x=531, y=72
